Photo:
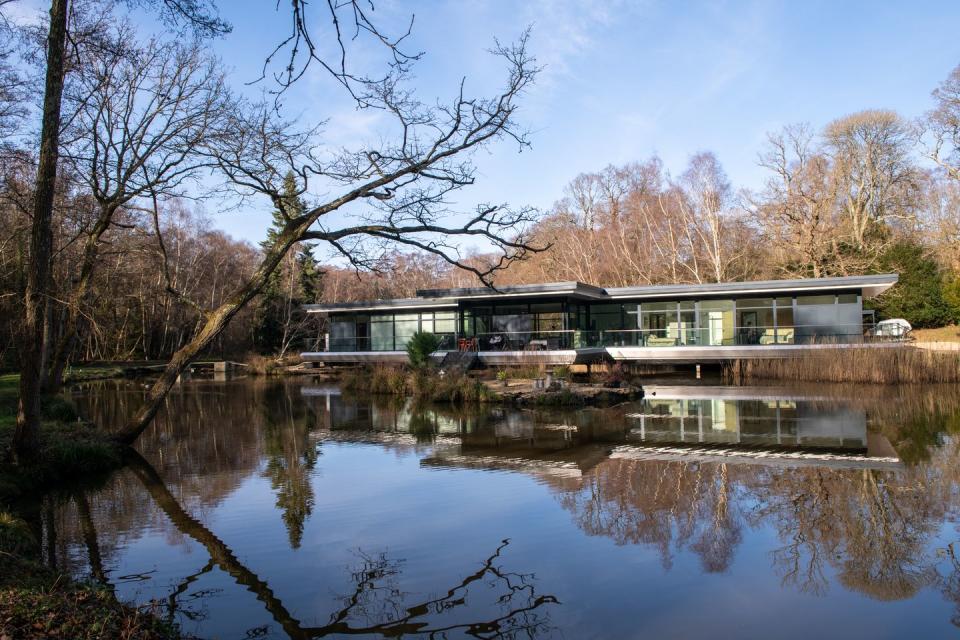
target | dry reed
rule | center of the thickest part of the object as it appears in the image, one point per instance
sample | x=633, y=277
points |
x=889, y=365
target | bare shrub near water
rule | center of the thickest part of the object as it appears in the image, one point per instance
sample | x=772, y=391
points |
x=421, y=385
x=888, y=365
x=378, y=380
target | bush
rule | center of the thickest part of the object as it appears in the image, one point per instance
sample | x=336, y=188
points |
x=15, y=536
x=562, y=372
x=378, y=380
x=421, y=345
x=616, y=375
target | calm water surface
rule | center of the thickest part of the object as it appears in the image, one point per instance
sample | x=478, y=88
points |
x=282, y=509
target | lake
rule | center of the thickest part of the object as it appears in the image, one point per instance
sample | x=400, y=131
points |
x=274, y=509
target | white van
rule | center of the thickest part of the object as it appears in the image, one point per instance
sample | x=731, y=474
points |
x=893, y=329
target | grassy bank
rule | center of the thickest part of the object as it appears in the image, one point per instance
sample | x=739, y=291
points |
x=69, y=448
x=892, y=365
x=950, y=333
x=36, y=602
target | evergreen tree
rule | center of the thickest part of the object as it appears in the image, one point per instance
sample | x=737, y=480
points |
x=311, y=276
x=289, y=286
x=919, y=295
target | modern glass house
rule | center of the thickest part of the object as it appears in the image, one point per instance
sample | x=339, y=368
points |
x=568, y=322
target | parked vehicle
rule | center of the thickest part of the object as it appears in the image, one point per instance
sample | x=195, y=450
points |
x=896, y=329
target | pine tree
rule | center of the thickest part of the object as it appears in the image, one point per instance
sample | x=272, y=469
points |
x=311, y=276
x=284, y=292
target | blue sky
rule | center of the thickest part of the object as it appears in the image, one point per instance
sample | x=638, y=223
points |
x=624, y=80
x=627, y=80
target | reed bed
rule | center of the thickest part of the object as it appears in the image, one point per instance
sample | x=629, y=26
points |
x=889, y=365
x=426, y=385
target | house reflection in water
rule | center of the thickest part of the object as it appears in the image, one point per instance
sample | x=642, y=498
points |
x=689, y=415
x=694, y=422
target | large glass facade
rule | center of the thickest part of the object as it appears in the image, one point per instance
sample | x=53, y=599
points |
x=389, y=331
x=548, y=325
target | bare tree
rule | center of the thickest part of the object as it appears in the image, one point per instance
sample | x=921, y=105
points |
x=404, y=187
x=796, y=209
x=942, y=125
x=708, y=211
x=875, y=175
x=26, y=433
x=136, y=115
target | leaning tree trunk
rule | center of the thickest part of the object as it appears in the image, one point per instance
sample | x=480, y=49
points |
x=27, y=433
x=212, y=326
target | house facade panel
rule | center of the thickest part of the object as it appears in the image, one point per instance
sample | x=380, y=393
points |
x=566, y=322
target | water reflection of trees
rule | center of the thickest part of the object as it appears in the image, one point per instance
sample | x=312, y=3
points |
x=377, y=605
x=227, y=430
x=870, y=531
x=872, y=528
x=669, y=505
x=290, y=457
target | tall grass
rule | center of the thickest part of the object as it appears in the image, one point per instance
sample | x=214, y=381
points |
x=422, y=385
x=888, y=365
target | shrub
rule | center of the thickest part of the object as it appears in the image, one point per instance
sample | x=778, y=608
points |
x=421, y=345
x=15, y=536
x=562, y=372
x=527, y=372
x=616, y=375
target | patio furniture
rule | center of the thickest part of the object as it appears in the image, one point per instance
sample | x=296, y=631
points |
x=658, y=341
x=497, y=343
x=537, y=345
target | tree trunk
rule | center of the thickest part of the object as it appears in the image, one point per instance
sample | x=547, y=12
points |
x=27, y=433
x=211, y=326
x=68, y=335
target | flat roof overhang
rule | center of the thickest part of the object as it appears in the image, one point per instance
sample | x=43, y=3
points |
x=870, y=286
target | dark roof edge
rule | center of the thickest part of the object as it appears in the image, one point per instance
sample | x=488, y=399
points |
x=437, y=298
x=570, y=286
x=884, y=280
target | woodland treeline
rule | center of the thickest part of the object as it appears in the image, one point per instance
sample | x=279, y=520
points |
x=120, y=124
x=869, y=192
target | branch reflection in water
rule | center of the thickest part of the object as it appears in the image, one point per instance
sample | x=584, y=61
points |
x=817, y=526
x=377, y=605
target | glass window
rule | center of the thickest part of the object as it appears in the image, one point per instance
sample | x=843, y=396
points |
x=847, y=298
x=546, y=307
x=381, y=333
x=343, y=334
x=512, y=323
x=784, y=333
x=755, y=303
x=445, y=322
x=755, y=321
x=688, y=323
x=550, y=321
x=658, y=322
x=717, y=322
x=807, y=300
x=426, y=322
x=405, y=325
